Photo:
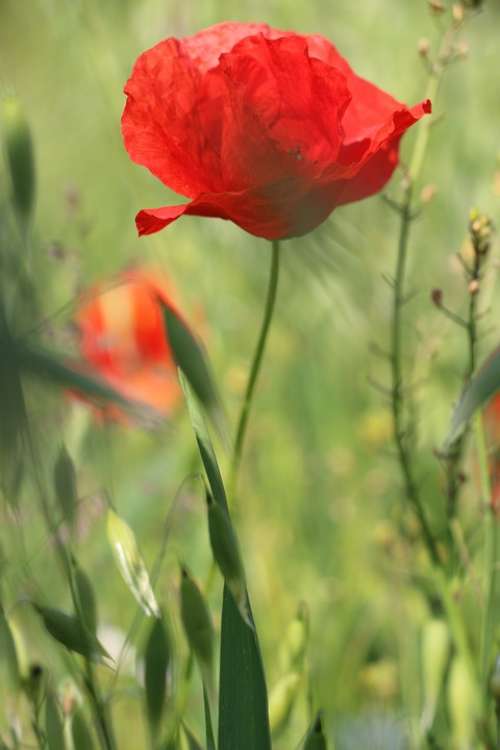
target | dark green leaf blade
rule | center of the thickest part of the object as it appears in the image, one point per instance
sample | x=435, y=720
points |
x=482, y=386
x=50, y=367
x=243, y=706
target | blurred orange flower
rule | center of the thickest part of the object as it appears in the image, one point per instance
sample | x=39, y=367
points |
x=123, y=339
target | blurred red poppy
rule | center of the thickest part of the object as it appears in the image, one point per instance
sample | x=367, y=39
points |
x=122, y=338
x=269, y=129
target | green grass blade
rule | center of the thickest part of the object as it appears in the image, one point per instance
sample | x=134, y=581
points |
x=482, y=386
x=192, y=361
x=209, y=731
x=243, y=709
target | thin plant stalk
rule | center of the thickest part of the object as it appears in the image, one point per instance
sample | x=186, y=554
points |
x=255, y=369
x=405, y=211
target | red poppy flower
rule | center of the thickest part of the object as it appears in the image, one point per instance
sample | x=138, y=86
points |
x=122, y=337
x=269, y=129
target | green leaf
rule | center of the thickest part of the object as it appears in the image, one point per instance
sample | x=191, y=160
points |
x=192, y=361
x=156, y=662
x=53, y=724
x=315, y=738
x=50, y=367
x=243, y=709
x=80, y=732
x=130, y=563
x=482, y=386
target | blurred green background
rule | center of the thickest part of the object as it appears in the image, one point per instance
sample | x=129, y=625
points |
x=320, y=490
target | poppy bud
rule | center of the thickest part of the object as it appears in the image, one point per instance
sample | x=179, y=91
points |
x=462, y=702
x=427, y=193
x=435, y=650
x=65, y=486
x=437, y=297
x=436, y=6
x=196, y=620
x=458, y=13
x=473, y=287
x=226, y=552
x=423, y=47
x=19, y=152
x=281, y=701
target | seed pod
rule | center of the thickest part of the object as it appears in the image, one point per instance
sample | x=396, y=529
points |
x=281, y=701
x=294, y=643
x=156, y=663
x=19, y=152
x=130, y=563
x=196, y=620
x=85, y=606
x=226, y=552
x=65, y=486
x=462, y=703
x=435, y=650
x=68, y=630
x=315, y=739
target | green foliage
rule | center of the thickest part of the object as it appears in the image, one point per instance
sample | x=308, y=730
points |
x=157, y=658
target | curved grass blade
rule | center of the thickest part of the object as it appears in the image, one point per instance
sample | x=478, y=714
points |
x=80, y=732
x=243, y=708
x=44, y=365
x=482, y=386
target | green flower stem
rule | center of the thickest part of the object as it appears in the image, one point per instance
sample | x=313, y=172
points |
x=255, y=369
